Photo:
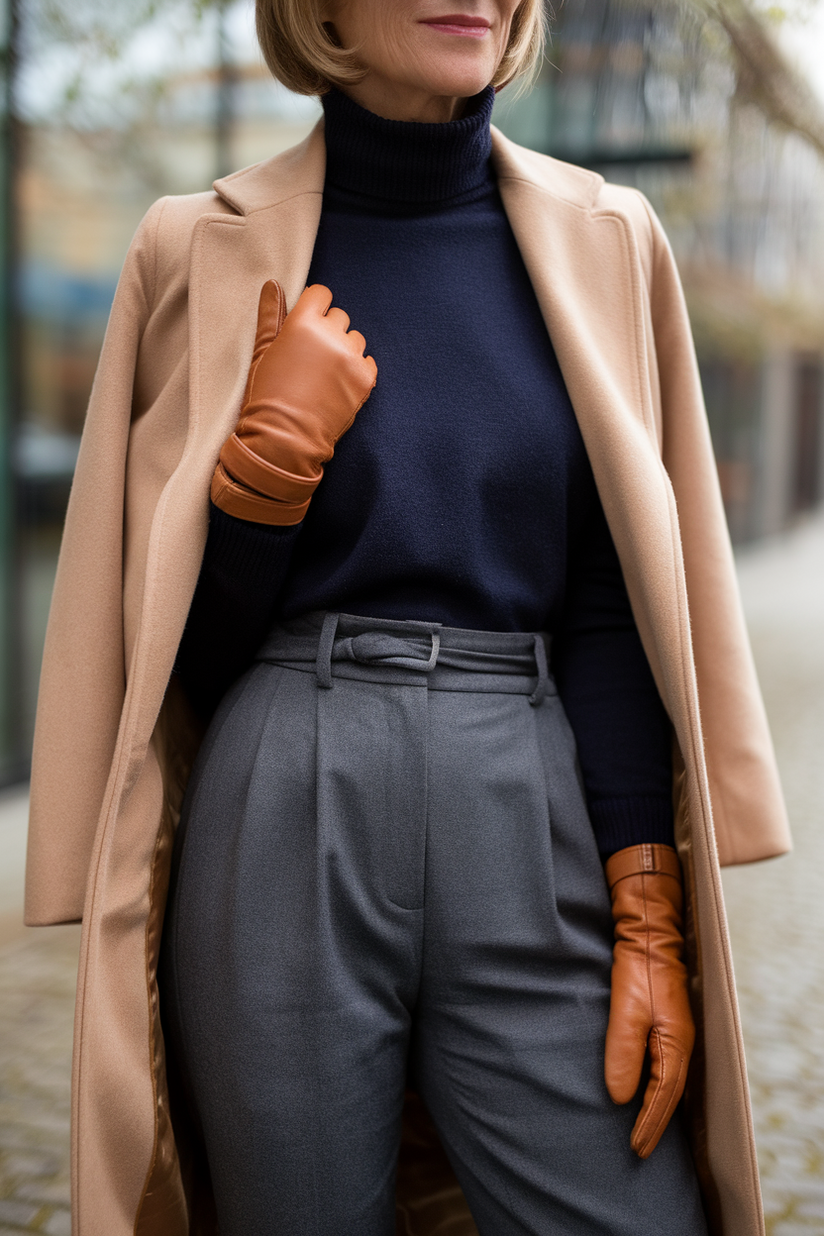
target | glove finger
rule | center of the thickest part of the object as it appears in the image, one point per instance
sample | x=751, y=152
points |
x=356, y=342
x=271, y=315
x=314, y=299
x=624, y=1052
x=271, y=312
x=339, y=319
x=668, y=1076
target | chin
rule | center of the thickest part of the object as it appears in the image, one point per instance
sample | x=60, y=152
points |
x=454, y=85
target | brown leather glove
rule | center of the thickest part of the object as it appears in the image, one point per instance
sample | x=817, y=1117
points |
x=649, y=1008
x=307, y=381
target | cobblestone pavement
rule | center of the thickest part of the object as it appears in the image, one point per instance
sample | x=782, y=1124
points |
x=37, y=977
x=776, y=909
x=776, y=914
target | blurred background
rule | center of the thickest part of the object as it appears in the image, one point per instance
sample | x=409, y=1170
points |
x=715, y=109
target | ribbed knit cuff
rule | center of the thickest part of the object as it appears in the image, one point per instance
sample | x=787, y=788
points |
x=239, y=549
x=620, y=822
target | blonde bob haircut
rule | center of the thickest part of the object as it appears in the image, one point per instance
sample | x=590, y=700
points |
x=301, y=54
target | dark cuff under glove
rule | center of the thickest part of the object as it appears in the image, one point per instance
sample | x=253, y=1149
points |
x=244, y=566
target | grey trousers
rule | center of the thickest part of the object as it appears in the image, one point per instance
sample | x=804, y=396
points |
x=385, y=869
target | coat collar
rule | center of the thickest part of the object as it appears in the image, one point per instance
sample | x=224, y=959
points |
x=301, y=170
x=296, y=171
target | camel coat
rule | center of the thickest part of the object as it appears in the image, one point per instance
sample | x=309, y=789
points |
x=114, y=741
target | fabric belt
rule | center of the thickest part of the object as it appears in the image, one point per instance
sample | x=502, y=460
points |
x=423, y=654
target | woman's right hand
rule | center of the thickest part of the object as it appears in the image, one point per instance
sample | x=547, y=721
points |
x=307, y=381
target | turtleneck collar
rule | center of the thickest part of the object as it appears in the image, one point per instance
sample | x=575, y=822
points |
x=406, y=161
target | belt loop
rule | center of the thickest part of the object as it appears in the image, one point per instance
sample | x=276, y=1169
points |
x=537, y=696
x=323, y=664
x=433, y=656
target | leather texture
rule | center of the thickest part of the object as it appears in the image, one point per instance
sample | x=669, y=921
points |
x=650, y=1008
x=307, y=381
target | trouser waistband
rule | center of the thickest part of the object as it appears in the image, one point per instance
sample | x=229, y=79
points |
x=423, y=654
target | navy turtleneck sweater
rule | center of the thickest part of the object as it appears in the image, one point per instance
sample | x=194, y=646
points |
x=462, y=493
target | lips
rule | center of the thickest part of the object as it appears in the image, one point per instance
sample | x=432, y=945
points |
x=464, y=24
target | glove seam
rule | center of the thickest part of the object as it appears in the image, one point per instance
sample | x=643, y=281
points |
x=648, y=952
x=667, y=1113
x=270, y=471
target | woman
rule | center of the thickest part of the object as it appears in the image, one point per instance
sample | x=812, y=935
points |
x=388, y=867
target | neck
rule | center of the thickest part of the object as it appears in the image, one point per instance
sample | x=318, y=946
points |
x=391, y=101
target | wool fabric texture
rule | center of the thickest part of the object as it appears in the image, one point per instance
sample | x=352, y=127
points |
x=433, y=912
x=462, y=493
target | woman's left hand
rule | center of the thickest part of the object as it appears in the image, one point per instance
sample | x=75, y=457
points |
x=649, y=1006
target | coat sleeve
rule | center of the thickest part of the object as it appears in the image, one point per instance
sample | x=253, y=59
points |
x=748, y=807
x=82, y=681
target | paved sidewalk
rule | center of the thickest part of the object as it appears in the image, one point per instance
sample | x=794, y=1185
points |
x=776, y=909
x=776, y=914
x=38, y=968
x=37, y=978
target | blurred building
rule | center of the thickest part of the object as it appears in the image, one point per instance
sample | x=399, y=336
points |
x=694, y=105
x=691, y=105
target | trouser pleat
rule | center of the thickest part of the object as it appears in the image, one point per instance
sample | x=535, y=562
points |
x=394, y=875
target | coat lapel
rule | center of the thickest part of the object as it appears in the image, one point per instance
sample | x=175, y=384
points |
x=271, y=237
x=586, y=270
x=266, y=230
